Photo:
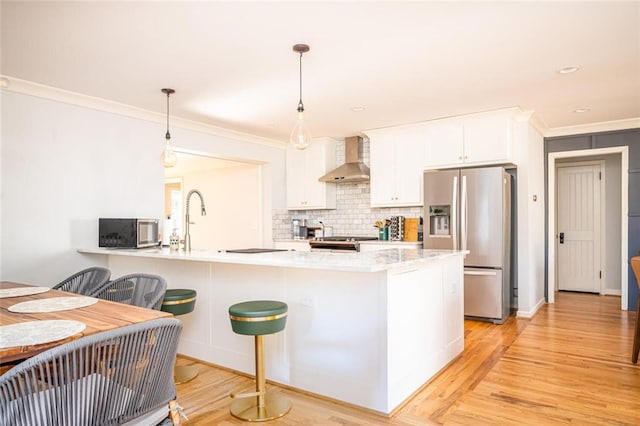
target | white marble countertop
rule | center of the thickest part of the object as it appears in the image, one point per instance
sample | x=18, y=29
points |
x=370, y=261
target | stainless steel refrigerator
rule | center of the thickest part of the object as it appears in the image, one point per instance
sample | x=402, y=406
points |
x=470, y=209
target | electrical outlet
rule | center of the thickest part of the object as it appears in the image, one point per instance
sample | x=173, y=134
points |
x=307, y=301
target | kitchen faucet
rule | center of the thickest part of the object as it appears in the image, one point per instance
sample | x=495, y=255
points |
x=203, y=212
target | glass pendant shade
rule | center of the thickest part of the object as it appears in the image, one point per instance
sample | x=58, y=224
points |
x=300, y=135
x=168, y=157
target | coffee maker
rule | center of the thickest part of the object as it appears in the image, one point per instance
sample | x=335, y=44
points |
x=299, y=229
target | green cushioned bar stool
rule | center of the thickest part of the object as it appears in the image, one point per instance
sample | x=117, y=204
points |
x=180, y=302
x=257, y=318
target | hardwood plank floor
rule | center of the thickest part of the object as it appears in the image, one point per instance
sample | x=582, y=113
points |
x=570, y=364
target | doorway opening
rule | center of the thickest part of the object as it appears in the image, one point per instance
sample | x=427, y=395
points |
x=232, y=193
x=614, y=207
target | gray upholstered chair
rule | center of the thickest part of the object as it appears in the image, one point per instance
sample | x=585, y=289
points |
x=120, y=376
x=86, y=282
x=144, y=290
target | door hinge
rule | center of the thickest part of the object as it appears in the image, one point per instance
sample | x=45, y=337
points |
x=599, y=175
x=600, y=274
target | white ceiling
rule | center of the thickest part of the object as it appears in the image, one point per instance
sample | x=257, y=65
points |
x=232, y=64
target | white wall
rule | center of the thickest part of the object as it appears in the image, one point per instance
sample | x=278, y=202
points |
x=613, y=225
x=529, y=156
x=232, y=199
x=63, y=166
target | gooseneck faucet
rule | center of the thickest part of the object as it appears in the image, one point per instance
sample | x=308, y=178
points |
x=203, y=212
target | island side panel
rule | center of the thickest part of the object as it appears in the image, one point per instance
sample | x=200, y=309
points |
x=453, y=302
x=415, y=327
x=197, y=336
x=337, y=335
x=425, y=324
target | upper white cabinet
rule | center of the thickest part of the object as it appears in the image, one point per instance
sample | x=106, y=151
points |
x=304, y=167
x=396, y=167
x=477, y=139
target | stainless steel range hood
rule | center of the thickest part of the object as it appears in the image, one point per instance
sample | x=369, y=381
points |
x=354, y=169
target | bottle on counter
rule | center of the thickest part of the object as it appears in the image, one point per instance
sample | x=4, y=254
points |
x=174, y=240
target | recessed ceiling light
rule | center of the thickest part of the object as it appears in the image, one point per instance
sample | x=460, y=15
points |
x=568, y=70
x=4, y=82
x=357, y=109
x=581, y=110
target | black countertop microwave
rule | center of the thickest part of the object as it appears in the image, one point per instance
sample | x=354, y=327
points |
x=127, y=232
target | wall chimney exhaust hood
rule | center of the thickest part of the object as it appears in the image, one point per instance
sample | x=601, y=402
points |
x=354, y=169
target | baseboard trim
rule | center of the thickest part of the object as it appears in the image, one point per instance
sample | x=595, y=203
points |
x=532, y=312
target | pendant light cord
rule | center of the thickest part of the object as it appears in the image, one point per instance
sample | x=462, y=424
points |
x=300, y=105
x=168, y=135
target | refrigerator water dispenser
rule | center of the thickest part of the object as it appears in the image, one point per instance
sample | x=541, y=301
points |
x=439, y=218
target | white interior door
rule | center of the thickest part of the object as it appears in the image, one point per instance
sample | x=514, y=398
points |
x=578, y=231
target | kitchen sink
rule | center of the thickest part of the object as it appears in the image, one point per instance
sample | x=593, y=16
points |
x=254, y=250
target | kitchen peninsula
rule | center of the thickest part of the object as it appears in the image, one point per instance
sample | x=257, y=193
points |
x=366, y=328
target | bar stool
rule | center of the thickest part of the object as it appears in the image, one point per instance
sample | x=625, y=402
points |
x=257, y=318
x=180, y=302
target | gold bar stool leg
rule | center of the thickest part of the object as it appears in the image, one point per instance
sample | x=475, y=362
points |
x=249, y=318
x=184, y=373
x=260, y=379
x=180, y=302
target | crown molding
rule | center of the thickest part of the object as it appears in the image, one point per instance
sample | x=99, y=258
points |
x=604, y=126
x=12, y=84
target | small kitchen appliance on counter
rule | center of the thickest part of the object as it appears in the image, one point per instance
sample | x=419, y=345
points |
x=127, y=232
x=299, y=229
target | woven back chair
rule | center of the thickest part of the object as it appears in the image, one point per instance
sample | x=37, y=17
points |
x=86, y=282
x=144, y=290
x=108, y=378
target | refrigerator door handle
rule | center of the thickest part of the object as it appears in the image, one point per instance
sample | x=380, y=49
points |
x=454, y=214
x=487, y=273
x=463, y=214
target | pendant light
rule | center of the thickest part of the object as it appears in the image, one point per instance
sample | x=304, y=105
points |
x=168, y=157
x=300, y=135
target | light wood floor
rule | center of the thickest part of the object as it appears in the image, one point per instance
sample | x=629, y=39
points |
x=570, y=364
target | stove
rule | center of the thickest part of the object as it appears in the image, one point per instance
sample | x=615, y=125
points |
x=339, y=244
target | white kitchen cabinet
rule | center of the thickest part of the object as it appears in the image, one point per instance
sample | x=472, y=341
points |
x=304, y=167
x=476, y=139
x=396, y=167
x=444, y=143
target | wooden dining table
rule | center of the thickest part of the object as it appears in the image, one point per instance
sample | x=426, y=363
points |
x=101, y=316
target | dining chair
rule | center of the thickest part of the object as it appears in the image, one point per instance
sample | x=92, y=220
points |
x=120, y=376
x=635, y=265
x=86, y=282
x=144, y=290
